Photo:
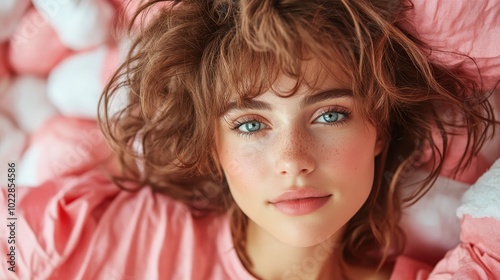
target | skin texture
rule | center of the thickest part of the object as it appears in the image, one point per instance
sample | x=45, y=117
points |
x=289, y=147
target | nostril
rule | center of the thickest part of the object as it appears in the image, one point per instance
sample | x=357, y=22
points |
x=305, y=170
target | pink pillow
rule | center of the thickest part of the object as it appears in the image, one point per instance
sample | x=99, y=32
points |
x=68, y=146
x=41, y=48
x=462, y=26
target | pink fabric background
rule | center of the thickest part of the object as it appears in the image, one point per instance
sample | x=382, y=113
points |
x=53, y=69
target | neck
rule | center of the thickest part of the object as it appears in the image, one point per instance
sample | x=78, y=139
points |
x=272, y=259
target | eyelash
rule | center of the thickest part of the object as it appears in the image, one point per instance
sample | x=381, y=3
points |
x=340, y=110
x=237, y=124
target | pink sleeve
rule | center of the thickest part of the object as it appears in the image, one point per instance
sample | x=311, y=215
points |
x=52, y=220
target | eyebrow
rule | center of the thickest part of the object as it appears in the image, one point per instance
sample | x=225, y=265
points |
x=308, y=100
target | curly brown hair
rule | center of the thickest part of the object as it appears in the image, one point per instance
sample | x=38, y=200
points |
x=193, y=56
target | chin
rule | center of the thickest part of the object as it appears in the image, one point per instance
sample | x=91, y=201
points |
x=303, y=236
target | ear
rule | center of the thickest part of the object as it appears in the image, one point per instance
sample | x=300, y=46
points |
x=379, y=145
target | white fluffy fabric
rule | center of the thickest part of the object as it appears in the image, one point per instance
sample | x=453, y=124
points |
x=74, y=86
x=27, y=102
x=482, y=200
x=80, y=24
x=27, y=176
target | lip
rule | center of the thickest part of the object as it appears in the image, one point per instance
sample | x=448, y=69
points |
x=300, y=201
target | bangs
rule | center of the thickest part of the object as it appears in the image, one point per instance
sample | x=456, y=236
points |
x=247, y=58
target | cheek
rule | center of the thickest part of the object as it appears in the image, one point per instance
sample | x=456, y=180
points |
x=245, y=170
x=242, y=164
x=350, y=160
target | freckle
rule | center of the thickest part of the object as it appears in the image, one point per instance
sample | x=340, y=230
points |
x=303, y=140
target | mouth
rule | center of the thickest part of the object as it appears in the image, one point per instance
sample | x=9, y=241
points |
x=299, y=194
x=300, y=201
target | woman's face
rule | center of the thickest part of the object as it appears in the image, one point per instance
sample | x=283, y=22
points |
x=299, y=167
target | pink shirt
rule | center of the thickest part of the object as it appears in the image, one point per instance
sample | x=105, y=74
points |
x=84, y=227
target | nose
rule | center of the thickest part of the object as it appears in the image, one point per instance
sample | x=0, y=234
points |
x=293, y=153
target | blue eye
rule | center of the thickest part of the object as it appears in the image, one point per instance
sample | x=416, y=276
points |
x=252, y=126
x=332, y=116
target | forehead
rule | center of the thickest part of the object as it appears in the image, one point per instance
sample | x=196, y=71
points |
x=325, y=71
